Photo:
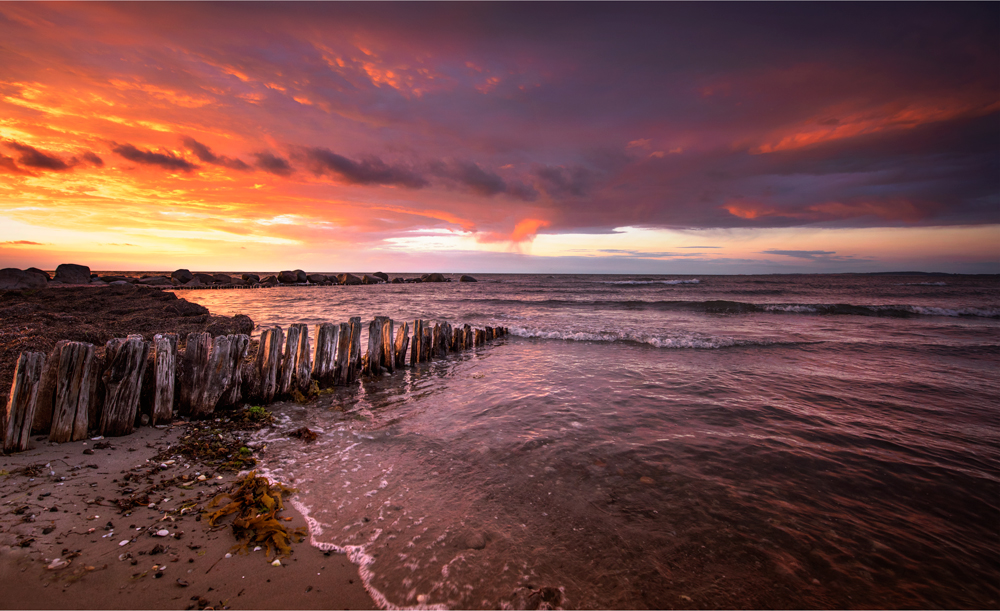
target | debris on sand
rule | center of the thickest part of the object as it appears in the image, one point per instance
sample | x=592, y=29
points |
x=255, y=502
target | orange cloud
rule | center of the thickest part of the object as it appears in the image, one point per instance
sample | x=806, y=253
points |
x=524, y=231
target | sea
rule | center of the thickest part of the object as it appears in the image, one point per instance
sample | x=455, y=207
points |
x=773, y=441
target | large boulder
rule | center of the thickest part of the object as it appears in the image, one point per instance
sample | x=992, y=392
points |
x=398, y=281
x=366, y=279
x=183, y=276
x=382, y=275
x=288, y=277
x=35, y=270
x=205, y=278
x=222, y=279
x=196, y=281
x=467, y=279
x=300, y=276
x=433, y=278
x=13, y=278
x=269, y=280
x=251, y=278
x=349, y=279
x=69, y=273
x=316, y=278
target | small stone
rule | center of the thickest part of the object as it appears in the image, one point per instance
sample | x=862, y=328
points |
x=475, y=540
x=276, y=562
x=163, y=533
x=121, y=543
x=647, y=480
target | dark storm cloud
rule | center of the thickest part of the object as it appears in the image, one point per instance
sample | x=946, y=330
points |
x=206, y=155
x=481, y=182
x=8, y=165
x=167, y=161
x=33, y=158
x=93, y=159
x=565, y=182
x=269, y=162
x=369, y=171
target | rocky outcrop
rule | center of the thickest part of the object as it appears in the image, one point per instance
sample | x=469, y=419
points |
x=434, y=278
x=13, y=278
x=348, y=279
x=183, y=276
x=300, y=276
x=467, y=279
x=251, y=278
x=35, y=270
x=69, y=273
x=288, y=277
x=316, y=278
x=382, y=275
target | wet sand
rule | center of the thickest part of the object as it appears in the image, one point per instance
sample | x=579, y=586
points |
x=64, y=516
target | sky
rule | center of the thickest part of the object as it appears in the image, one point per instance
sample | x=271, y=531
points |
x=652, y=138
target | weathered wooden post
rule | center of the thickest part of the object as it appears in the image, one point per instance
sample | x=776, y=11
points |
x=402, y=341
x=480, y=337
x=467, y=335
x=325, y=354
x=47, y=391
x=70, y=403
x=372, y=365
x=194, y=368
x=427, y=342
x=303, y=360
x=388, y=360
x=417, y=353
x=355, y=362
x=268, y=363
x=122, y=381
x=19, y=413
x=234, y=393
x=343, y=370
x=458, y=341
x=165, y=364
x=288, y=364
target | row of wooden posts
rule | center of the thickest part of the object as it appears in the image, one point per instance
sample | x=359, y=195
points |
x=71, y=392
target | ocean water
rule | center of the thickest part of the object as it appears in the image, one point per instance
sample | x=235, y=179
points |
x=654, y=442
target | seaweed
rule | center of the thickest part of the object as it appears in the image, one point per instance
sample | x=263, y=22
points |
x=255, y=503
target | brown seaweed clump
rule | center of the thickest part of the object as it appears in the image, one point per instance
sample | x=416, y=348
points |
x=256, y=502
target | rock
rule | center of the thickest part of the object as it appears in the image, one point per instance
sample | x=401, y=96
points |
x=69, y=273
x=124, y=283
x=467, y=279
x=383, y=276
x=316, y=278
x=542, y=598
x=183, y=276
x=288, y=277
x=13, y=278
x=183, y=307
x=195, y=282
x=222, y=279
x=244, y=324
x=349, y=279
x=110, y=279
x=300, y=276
x=269, y=280
x=366, y=279
x=252, y=278
x=156, y=281
x=433, y=278
x=205, y=278
x=35, y=270
x=475, y=540
x=398, y=281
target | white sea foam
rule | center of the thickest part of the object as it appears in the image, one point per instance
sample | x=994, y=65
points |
x=681, y=341
x=691, y=281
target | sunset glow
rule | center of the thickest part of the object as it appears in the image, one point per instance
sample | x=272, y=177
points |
x=649, y=138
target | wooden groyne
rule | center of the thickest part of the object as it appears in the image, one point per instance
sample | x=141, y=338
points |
x=72, y=393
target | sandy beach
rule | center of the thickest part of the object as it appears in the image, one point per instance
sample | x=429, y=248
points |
x=66, y=544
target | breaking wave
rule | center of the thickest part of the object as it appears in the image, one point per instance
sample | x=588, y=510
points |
x=690, y=340
x=692, y=281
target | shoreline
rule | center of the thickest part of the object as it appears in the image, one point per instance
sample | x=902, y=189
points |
x=64, y=516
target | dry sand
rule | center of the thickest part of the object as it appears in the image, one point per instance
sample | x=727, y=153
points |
x=58, y=506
